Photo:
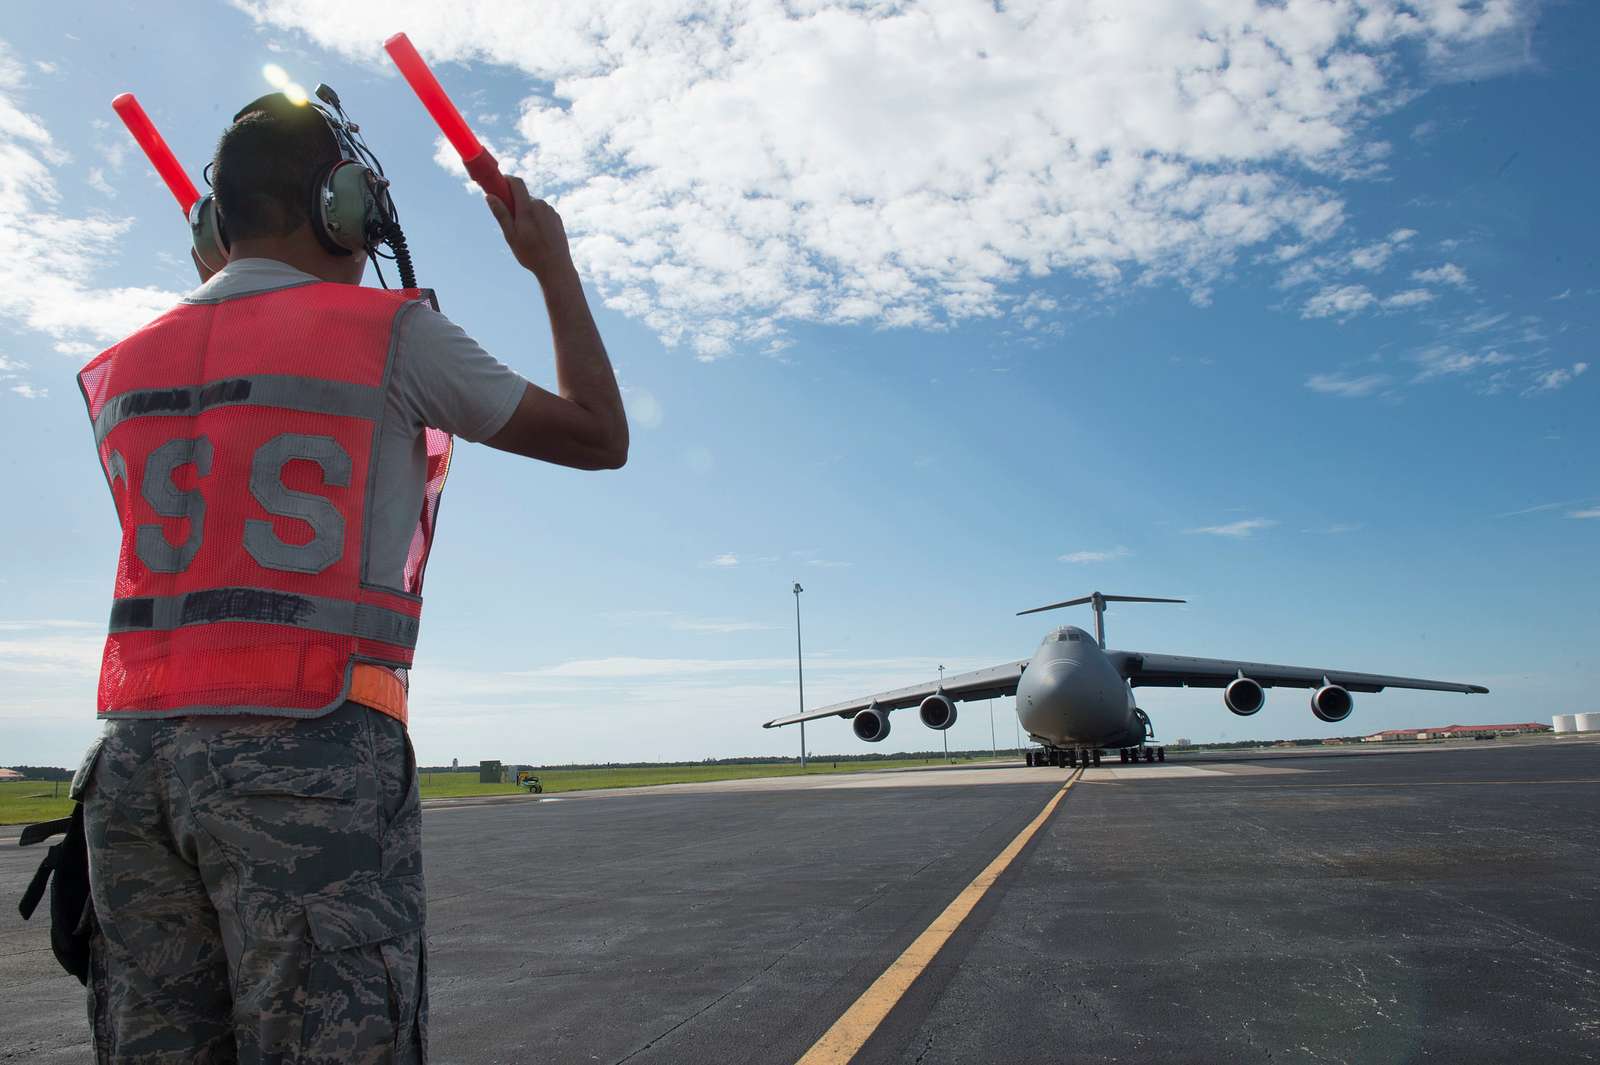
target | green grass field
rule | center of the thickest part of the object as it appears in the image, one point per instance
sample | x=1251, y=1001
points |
x=25, y=801
x=464, y=782
x=22, y=802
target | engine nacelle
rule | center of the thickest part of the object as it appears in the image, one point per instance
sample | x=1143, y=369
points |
x=870, y=724
x=937, y=711
x=1331, y=703
x=1244, y=696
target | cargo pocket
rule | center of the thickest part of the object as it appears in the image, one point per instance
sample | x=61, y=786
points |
x=364, y=984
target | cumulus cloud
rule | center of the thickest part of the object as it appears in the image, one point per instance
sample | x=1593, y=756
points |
x=47, y=274
x=1447, y=274
x=724, y=561
x=27, y=391
x=1347, y=386
x=1587, y=512
x=735, y=167
x=1339, y=301
x=1082, y=557
x=1237, y=529
x=1411, y=297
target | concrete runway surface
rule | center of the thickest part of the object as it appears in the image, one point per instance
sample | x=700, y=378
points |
x=1316, y=905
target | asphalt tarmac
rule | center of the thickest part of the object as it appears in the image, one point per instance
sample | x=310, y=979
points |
x=1435, y=904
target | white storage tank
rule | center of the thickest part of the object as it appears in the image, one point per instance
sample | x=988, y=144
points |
x=1565, y=722
x=1588, y=722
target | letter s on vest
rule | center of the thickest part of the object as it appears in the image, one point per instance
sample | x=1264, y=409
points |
x=238, y=438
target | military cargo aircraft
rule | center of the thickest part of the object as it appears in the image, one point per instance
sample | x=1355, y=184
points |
x=1076, y=698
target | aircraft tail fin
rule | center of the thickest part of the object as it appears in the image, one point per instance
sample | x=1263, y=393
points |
x=1099, y=601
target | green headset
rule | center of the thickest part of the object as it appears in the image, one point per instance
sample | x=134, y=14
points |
x=350, y=209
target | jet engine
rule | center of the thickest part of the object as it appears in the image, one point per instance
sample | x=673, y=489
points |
x=1244, y=696
x=1331, y=703
x=870, y=724
x=937, y=711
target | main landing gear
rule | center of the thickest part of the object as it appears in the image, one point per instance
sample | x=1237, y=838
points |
x=1069, y=759
x=1151, y=754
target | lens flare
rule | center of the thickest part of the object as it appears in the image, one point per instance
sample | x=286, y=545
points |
x=296, y=94
x=276, y=76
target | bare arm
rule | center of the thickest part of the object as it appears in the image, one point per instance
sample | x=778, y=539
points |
x=584, y=426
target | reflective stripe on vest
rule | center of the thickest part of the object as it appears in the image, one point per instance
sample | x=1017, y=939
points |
x=239, y=438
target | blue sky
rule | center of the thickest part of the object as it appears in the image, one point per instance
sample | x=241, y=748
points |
x=942, y=312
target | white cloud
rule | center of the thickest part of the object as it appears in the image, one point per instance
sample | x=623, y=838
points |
x=1447, y=274
x=1560, y=377
x=1096, y=556
x=1587, y=512
x=826, y=563
x=1347, y=386
x=1237, y=529
x=1411, y=297
x=96, y=179
x=750, y=164
x=1442, y=360
x=723, y=561
x=27, y=391
x=47, y=274
x=1338, y=301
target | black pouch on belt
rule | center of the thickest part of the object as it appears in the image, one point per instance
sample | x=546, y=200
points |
x=66, y=870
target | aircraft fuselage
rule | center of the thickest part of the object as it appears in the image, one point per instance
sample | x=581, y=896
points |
x=1071, y=696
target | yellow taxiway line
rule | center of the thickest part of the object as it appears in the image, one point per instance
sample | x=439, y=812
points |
x=841, y=1042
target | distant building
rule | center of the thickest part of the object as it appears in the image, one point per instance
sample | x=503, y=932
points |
x=1448, y=732
x=10, y=774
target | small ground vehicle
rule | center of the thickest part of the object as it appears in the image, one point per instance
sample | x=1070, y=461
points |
x=527, y=780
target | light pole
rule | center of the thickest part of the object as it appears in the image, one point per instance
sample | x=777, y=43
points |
x=800, y=672
x=944, y=733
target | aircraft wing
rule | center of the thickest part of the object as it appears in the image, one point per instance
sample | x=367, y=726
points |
x=1180, y=671
x=979, y=684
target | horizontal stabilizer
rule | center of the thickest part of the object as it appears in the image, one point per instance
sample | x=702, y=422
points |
x=1090, y=598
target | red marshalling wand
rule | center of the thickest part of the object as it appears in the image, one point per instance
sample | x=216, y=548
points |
x=155, y=148
x=481, y=165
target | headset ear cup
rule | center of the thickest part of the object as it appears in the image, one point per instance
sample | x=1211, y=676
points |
x=345, y=210
x=205, y=229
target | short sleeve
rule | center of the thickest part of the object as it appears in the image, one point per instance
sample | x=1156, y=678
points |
x=448, y=382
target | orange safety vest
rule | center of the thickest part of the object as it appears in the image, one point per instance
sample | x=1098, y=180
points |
x=238, y=437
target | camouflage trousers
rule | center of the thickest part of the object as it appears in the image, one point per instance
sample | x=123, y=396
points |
x=257, y=887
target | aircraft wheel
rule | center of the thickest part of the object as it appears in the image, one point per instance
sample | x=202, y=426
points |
x=1161, y=754
x=1096, y=757
x=1122, y=755
x=1028, y=759
x=1149, y=754
x=1072, y=759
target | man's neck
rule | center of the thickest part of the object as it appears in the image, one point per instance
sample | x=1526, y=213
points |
x=293, y=250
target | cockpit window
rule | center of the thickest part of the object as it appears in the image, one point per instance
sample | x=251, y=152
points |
x=1065, y=635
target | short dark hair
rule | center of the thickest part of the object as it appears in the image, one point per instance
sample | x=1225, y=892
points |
x=265, y=165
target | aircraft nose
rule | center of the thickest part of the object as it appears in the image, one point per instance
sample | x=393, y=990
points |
x=1050, y=689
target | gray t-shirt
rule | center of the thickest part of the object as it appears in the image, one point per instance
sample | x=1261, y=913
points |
x=441, y=378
